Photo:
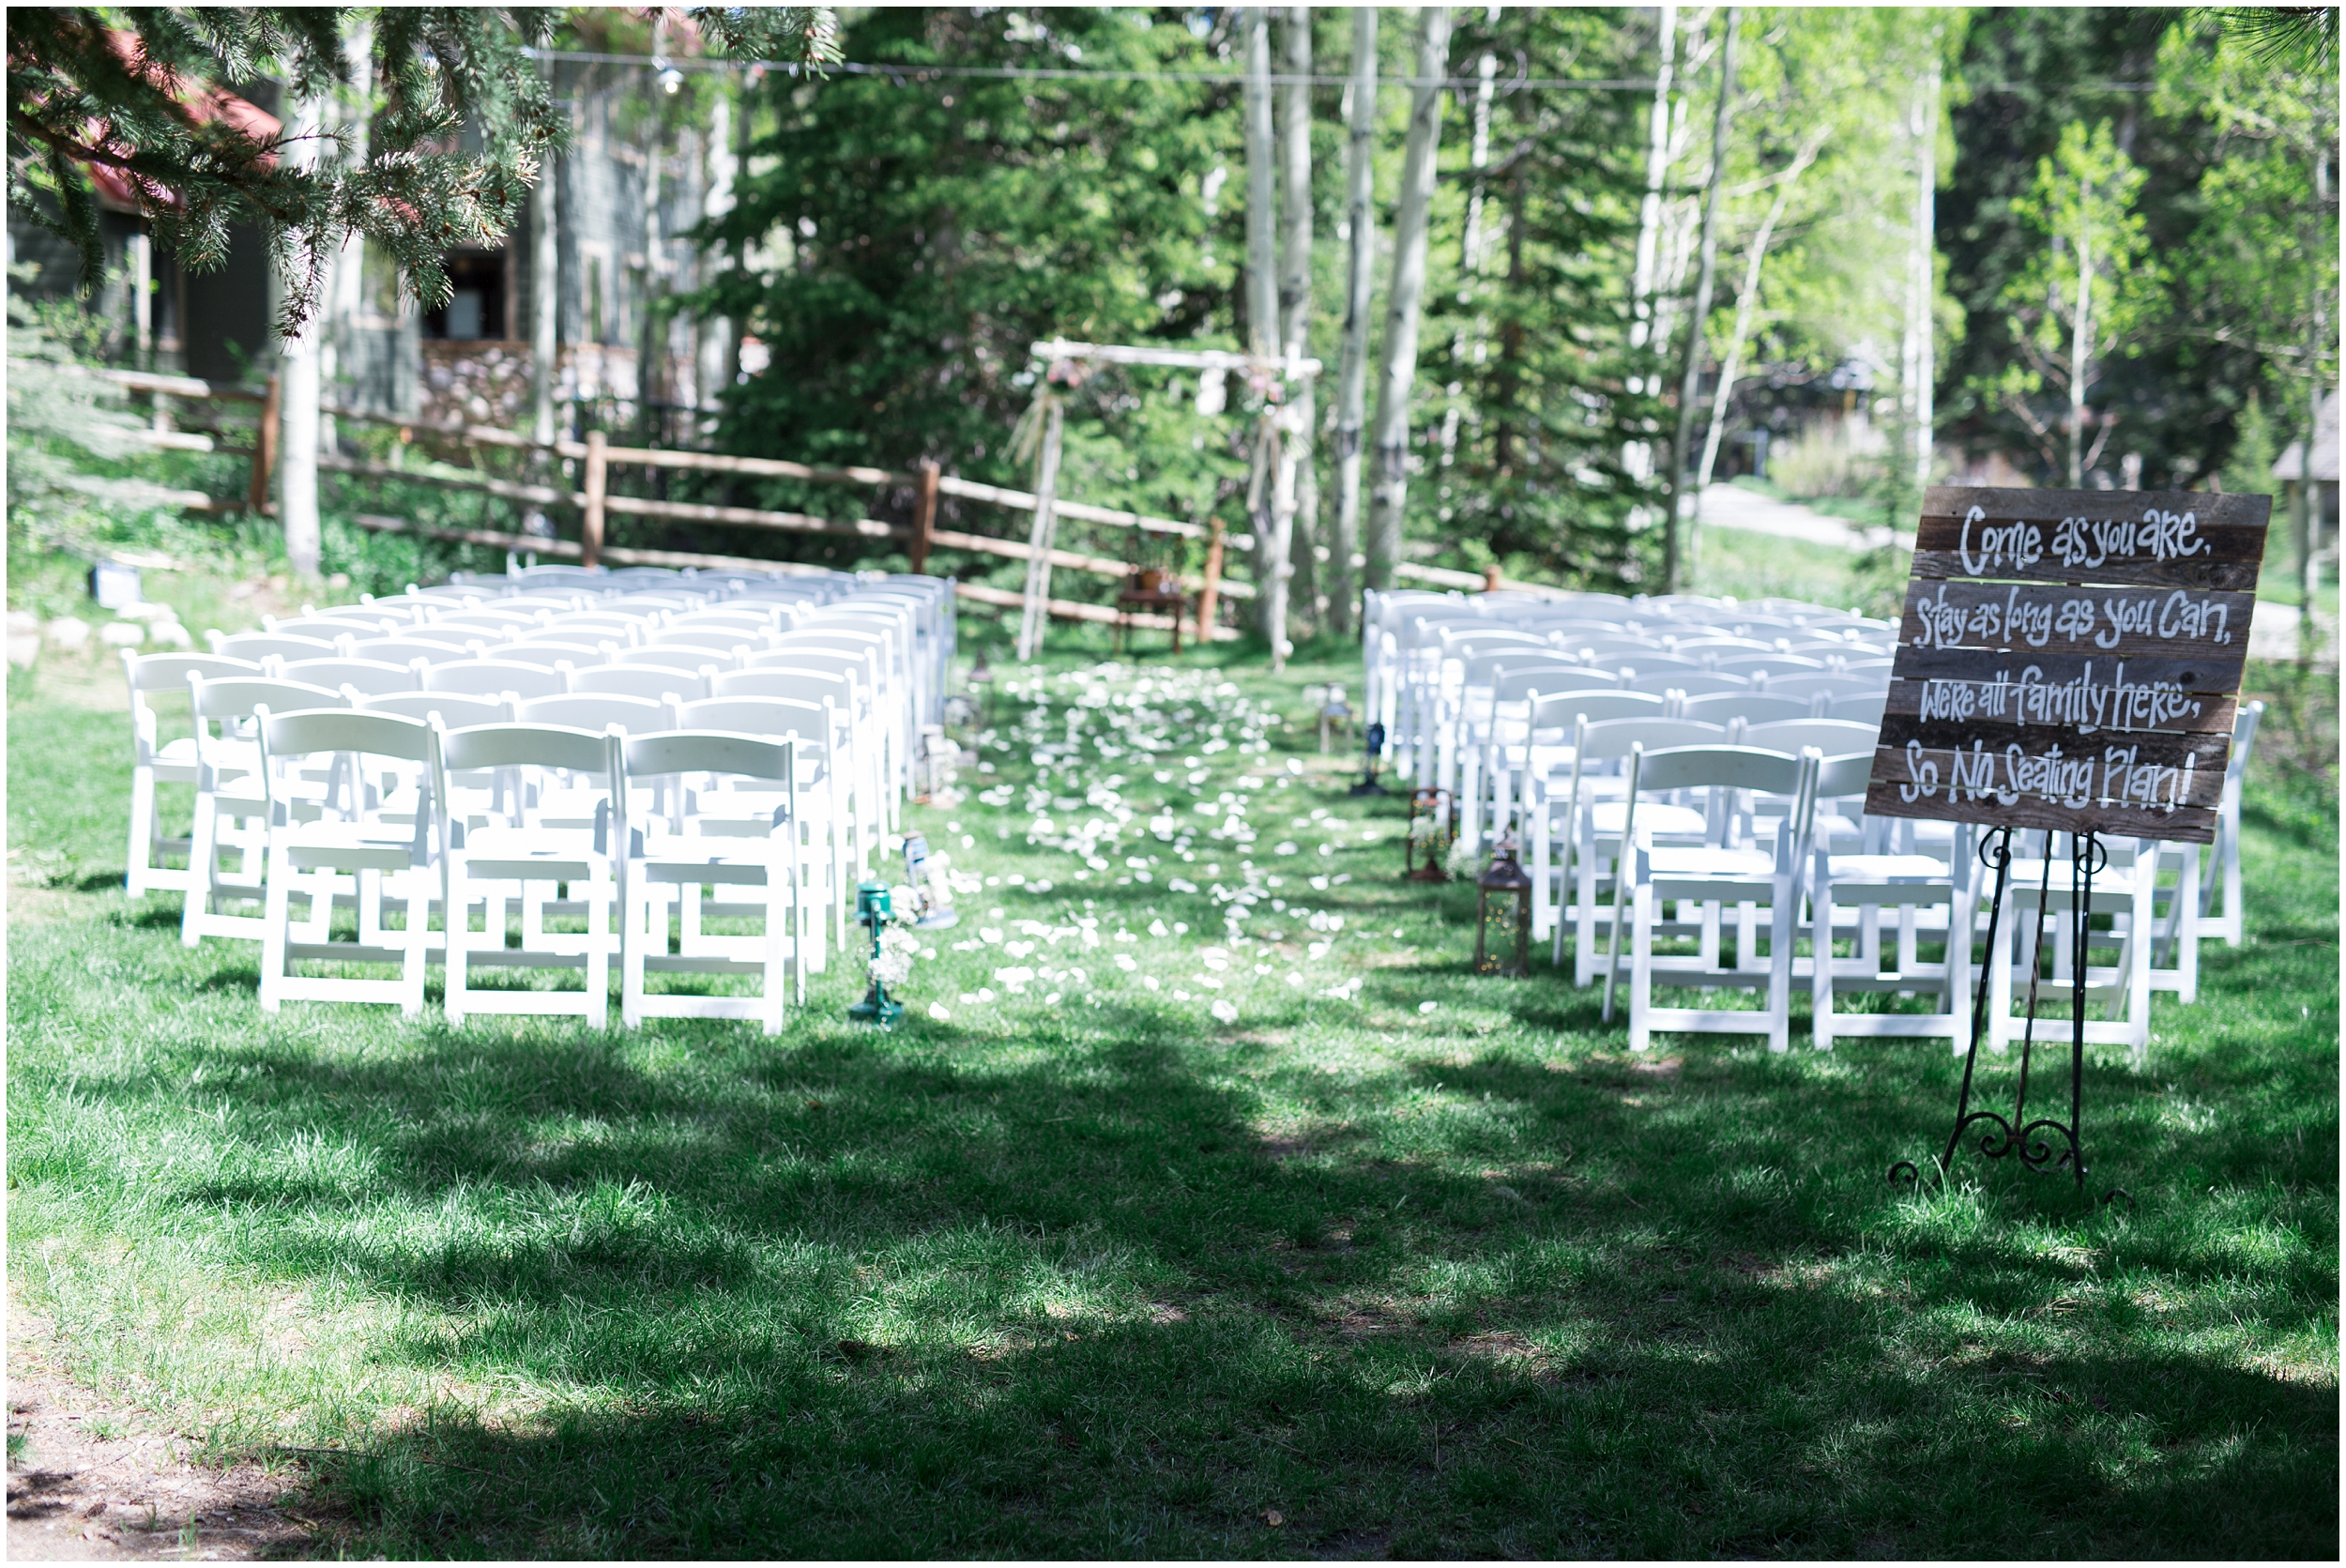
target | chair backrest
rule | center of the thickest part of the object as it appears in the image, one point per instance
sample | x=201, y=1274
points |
x=412, y=646
x=257, y=646
x=657, y=682
x=549, y=653
x=236, y=697
x=451, y=708
x=599, y=711
x=376, y=733
x=693, y=661
x=1719, y=708
x=1566, y=708
x=862, y=664
x=368, y=677
x=1843, y=777
x=810, y=686
x=1635, y=662
x=749, y=756
x=2244, y=738
x=1864, y=708
x=1694, y=683
x=1702, y=766
x=1517, y=683
x=769, y=716
x=726, y=640
x=490, y=678
x=1831, y=685
x=1599, y=741
x=477, y=746
x=1833, y=736
x=169, y=671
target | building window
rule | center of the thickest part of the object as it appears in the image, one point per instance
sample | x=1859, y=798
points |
x=476, y=308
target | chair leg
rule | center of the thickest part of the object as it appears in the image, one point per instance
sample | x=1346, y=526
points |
x=1642, y=911
x=1821, y=967
x=418, y=944
x=459, y=917
x=142, y=835
x=636, y=915
x=1780, y=926
x=777, y=977
x=599, y=926
x=202, y=853
x=277, y=900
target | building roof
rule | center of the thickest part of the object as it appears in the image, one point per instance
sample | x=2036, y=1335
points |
x=2291, y=463
x=119, y=190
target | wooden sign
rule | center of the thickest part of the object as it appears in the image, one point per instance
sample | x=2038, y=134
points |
x=2071, y=658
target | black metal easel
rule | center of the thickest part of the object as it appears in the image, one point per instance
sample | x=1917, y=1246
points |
x=2032, y=1141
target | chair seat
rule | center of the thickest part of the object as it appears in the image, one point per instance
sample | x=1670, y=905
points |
x=1666, y=821
x=1886, y=868
x=1678, y=863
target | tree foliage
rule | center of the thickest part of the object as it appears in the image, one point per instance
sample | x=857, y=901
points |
x=460, y=123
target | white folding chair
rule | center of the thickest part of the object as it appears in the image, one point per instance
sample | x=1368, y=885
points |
x=230, y=800
x=1709, y=874
x=353, y=851
x=753, y=851
x=820, y=802
x=156, y=761
x=1869, y=885
x=545, y=866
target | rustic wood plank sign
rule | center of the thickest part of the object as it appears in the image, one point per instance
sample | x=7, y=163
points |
x=2071, y=660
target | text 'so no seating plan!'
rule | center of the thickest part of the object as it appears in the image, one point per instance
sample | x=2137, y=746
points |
x=2071, y=658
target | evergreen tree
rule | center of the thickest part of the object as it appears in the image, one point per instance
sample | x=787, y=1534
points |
x=1524, y=383
x=921, y=232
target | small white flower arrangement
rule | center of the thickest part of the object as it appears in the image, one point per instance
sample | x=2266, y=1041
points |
x=891, y=965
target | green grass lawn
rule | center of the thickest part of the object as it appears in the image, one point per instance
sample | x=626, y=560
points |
x=1395, y=1262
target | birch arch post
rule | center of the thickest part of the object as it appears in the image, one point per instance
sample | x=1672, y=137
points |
x=1275, y=462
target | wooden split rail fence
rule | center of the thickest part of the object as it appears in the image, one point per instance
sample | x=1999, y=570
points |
x=596, y=504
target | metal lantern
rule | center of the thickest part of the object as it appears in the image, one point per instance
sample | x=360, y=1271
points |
x=1426, y=844
x=935, y=894
x=872, y=909
x=1333, y=714
x=1502, y=907
x=1368, y=784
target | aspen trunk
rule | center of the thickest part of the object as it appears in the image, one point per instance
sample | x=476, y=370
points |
x=297, y=389
x=713, y=364
x=1924, y=278
x=1754, y=259
x=1680, y=516
x=545, y=297
x=1360, y=181
x=1295, y=308
x=1272, y=543
x=1656, y=171
x=2079, y=336
x=1398, y=370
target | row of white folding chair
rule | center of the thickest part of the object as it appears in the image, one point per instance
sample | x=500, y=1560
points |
x=608, y=870
x=1847, y=889
x=229, y=800
x=1574, y=809
x=811, y=673
x=1496, y=751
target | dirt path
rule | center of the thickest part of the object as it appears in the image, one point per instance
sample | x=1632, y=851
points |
x=90, y=1480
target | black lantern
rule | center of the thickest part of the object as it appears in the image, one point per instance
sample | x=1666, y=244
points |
x=1426, y=844
x=1368, y=784
x=1502, y=907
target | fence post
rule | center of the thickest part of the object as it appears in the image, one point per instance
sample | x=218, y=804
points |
x=923, y=515
x=590, y=527
x=263, y=451
x=1207, y=597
